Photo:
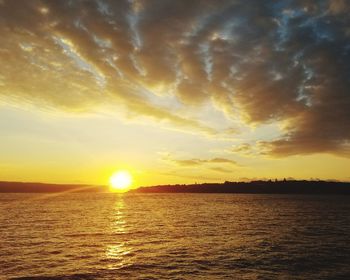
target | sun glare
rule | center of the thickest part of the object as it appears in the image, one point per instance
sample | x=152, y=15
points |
x=120, y=181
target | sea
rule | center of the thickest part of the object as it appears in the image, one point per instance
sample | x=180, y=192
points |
x=174, y=236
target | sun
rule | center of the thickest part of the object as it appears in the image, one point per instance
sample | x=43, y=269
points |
x=120, y=181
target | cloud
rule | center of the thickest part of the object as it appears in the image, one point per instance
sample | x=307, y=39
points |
x=220, y=160
x=198, y=162
x=260, y=62
x=338, y=6
x=221, y=169
x=244, y=149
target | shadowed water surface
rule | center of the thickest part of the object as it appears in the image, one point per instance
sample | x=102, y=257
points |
x=174, y=236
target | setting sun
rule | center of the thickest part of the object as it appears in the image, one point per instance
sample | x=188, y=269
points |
x=166, y=139
x=120, y=181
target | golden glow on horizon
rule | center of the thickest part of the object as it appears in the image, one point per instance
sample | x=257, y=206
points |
x=120, y=181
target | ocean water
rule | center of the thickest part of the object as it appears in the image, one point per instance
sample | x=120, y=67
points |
x=174, y=236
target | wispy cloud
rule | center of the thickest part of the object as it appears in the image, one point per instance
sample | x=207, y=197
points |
x=221, y=169
x=197, y=161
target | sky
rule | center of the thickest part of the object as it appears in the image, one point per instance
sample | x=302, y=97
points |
x=174, y=91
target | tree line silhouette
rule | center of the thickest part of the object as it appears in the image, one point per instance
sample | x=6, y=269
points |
x=254, y=187
x=257, y=187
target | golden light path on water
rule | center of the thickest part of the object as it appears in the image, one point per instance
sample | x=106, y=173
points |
x=119, y=251
x=122, y=253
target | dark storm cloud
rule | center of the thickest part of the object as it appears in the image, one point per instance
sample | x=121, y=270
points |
x=262, y=61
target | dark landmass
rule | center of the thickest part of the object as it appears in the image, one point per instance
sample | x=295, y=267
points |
x=22, y=187
x=256, y=187
x=253, y=187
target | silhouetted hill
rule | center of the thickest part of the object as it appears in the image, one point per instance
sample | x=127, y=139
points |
x=21, y=187
x=256, y=187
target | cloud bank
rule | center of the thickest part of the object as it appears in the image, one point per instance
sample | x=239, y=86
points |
x=257, y=61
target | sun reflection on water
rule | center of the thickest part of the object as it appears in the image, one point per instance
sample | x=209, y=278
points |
x=117, y=253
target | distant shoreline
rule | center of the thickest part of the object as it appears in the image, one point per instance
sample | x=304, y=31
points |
x=253, y=187
x=256, y=187
x=25, y=187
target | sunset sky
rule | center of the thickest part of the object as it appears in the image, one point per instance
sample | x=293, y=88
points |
x=174, y=91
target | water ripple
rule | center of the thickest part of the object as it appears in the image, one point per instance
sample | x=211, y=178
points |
x=174, y=236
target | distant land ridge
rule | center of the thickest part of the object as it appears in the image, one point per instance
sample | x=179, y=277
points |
x=253, y=187
x=25, y=187
x=257, y=187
